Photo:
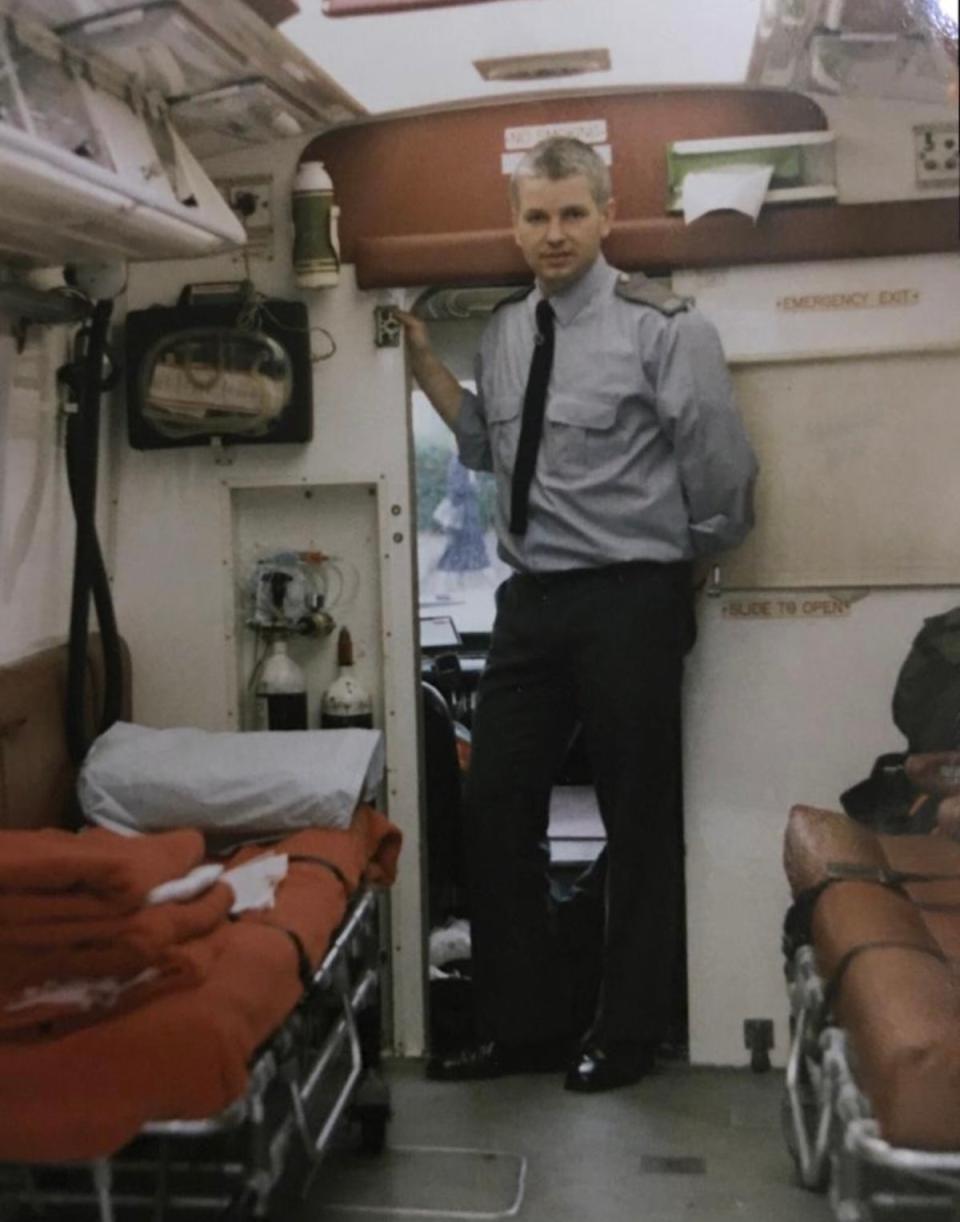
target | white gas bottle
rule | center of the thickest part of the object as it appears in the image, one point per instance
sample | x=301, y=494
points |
x=281, y=692
x=346, y=702
x=316, y=242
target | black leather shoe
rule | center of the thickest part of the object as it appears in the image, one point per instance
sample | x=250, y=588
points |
x=596, y=1068
x=494, y=1060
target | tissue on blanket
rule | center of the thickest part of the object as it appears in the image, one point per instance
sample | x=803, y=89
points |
x=255, y=884
x=151, y=780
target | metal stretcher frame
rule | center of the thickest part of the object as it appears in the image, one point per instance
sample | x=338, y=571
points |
x=295, y=1064
x=830, y=1130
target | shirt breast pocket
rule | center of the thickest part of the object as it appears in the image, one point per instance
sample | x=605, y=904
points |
x=503, y=423
x=581, y=433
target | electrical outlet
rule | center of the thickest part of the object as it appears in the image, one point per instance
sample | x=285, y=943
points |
x=251, y=199
x=387, y=328
x=935, y=154
x=758, y=1038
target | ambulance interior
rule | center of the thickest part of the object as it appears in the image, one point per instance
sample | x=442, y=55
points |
x=151, y=157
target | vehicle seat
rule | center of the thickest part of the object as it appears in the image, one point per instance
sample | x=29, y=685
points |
x=443, y=785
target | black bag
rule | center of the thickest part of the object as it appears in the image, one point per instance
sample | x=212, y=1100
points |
x=926, y=700
x=926, y=709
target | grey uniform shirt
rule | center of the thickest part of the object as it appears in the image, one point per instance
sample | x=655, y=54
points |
x=643, y=455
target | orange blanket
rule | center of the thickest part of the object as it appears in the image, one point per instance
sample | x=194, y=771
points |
x=185, y=1055
x=90, y=874
x=24, y=1015
x=121, y=946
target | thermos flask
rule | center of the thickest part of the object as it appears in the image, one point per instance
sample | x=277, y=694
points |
x=316, y=243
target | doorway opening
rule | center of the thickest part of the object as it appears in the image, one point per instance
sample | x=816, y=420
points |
x=459, y=573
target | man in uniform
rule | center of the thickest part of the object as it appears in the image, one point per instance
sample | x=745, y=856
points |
x=604, y=409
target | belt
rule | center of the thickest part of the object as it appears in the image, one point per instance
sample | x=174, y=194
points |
x=623, y=568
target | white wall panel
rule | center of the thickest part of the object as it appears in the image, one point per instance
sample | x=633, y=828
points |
x=875, y=147
x=778, y=711
x=835, y=308
x=850, y=407
x=857, y=472
x=186, y=517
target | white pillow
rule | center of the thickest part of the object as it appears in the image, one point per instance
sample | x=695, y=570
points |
x=252, y=783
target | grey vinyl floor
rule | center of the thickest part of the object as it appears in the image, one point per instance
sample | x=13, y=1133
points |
x=683, y=1144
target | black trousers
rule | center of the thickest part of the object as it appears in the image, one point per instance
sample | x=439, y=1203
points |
x=603, y=647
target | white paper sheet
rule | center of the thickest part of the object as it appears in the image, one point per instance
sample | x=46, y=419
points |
x=255, y=883
x=741, y=188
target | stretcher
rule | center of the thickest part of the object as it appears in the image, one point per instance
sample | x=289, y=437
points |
x=327, y=1050
x=200, y=1099
x=872, y=942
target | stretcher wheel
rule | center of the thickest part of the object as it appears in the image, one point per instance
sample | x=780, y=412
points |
x=373, y=1123
x=371, y=1110
x=810, y=1114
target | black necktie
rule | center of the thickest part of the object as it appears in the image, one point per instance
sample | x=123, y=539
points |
x=531, y=429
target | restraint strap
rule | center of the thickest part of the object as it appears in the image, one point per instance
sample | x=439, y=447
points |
x=849, y=871
x=832, y=986
x=304, y=967
x=312, y=860
x=798, y=923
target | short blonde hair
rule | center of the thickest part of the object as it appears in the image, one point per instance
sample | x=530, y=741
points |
x=563, y=157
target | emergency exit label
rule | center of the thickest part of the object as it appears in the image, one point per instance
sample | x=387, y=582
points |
x=825, y=606
x=879, y=299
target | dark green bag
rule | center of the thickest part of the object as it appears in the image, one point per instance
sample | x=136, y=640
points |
x=926, y=700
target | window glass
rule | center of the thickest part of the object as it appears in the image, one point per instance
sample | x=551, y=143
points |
x=456, y=546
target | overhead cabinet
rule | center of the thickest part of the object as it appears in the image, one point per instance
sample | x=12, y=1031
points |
x=105, y=108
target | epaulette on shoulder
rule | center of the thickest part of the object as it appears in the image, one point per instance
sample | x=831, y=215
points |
x=641, y=290
x=519, y=295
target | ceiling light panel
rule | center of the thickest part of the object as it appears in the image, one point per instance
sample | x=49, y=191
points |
x=547, y=66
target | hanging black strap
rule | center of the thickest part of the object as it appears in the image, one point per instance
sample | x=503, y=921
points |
x=531, y=428
x=90, y=575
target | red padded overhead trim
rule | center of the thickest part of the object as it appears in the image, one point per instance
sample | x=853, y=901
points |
x=424, y=198
x=355, y=8
x=441, y=172
x=487, y=256
x=664, y=243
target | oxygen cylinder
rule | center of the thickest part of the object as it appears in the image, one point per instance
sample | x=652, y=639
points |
x=345, y=702
x=316, y=243
x=281, y=692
